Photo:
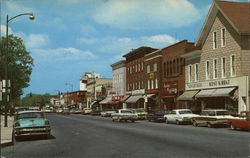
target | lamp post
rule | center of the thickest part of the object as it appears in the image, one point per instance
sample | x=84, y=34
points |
x=7, y=81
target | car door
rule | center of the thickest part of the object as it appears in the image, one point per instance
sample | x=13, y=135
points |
x=171, y=116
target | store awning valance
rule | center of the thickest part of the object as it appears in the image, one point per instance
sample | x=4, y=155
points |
x=93, y=103
x=106, y=100
x=133, y=98
x=150, y=95
x=220, y=92
x=188, y=95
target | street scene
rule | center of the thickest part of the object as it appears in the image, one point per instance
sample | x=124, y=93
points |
x=125, y=79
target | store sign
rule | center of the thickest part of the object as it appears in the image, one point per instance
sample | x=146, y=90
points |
x=219, y=83
x=170, y=88
x=117, y=97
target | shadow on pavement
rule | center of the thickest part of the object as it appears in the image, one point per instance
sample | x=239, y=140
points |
x=34, y=138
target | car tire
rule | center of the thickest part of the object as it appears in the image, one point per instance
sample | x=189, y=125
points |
x=166, y=120
x=209, y=125
x=177, y=122
x=195, y=124
x=132, y=120
x=232, y=126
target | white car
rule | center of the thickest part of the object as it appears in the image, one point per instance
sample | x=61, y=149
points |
x=179, y=116
x=124, y=114
x=86, y=111
x=107, y=113
x=141, y=113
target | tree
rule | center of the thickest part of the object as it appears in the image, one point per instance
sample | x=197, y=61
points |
x=20, y=65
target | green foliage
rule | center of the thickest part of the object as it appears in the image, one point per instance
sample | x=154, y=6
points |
x=35, y=100
x=20, y=65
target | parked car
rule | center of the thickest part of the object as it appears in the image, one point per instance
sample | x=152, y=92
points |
x=29, y=123
x=156, y=115
x=75, y=111
x=65, y=111
x=86, y=111
x=212, y=117
x=95, y=112
x=141, y=113
x=179, y=116
x=124, y=114
x=242, y=122
x=107, y=113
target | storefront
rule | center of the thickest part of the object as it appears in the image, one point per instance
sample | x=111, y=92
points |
x=231, y=94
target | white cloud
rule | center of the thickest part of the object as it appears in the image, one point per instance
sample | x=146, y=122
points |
x=36, y=40
x=3, y=30
x=165, y=39
x=87, y=41
x=62, y=54
x=133, y=14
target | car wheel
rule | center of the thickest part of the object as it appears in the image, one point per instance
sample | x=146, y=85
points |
x=195, y=124
x=209, y=125
x=177, y=122
x=132, y=120
x=166, y=120
x=232, y=126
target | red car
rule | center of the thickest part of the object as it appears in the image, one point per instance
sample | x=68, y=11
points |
x=243, y=122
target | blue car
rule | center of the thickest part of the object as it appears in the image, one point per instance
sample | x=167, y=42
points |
x=30, y=123
x=156, y=115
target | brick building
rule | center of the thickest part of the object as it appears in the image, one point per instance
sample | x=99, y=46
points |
x=152, y=79
x=217, y=75
x=173, y=74
x=76, y=98
x=135, y=83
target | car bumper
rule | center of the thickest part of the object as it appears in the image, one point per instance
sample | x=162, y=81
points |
x=32, y=131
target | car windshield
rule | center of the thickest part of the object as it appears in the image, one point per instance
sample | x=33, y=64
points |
x=185, y=112
x=30, y=115
x=126, y=111
x=219, y=113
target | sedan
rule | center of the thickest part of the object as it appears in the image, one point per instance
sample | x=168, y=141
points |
x=29, y=123
x=179, y=116
x=156, y=115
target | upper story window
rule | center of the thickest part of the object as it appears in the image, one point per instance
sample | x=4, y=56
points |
x=215, y=68
x=232, y=65
x=196, y=70
x=189, y=73
x=148, y=68
x=155, y=66
x=130, y=70
x=139, y=67
x=135, y=68
x=214, y=40
x=207, y=70
x=223, y=67
x=223, y=37
x=164, y=69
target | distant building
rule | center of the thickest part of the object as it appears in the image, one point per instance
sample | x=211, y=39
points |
x=87, y=76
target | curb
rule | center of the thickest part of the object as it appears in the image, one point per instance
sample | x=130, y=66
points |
x=7, y=144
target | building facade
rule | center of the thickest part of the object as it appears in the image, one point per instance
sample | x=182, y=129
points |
x=135, y=82
x=173, y=73
x=217, y=75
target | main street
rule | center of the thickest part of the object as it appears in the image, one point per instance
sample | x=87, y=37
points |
x=79, y=136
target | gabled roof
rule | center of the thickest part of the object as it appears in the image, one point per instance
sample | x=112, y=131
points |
x=236, y=13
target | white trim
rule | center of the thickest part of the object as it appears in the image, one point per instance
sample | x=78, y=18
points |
x=231, y=71
x=153, y=57
x=221, y=32
x=223, y=76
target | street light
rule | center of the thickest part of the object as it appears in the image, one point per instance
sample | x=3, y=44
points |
x=7, y=82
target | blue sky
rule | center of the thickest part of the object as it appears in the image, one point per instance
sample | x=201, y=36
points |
x=71, y=37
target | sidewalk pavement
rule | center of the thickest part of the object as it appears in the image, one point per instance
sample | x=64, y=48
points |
x=6, y=132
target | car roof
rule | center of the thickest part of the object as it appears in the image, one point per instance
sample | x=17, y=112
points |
x=30, y=111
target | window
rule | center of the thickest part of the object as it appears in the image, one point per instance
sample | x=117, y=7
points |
x=223, y=37
x=214, y=40
x=135, y=68
x=156, y=83
x=139, y=85
x=142, y=86
x=170, y=68
x=130, y=69
x=173, y=67
x=232, y=65
x=189, y=73
x=167, y=68
x=148, y=84
x=139, y=67
x=152, y=84
x=155, y=66
x=207, y=70
x=177, y=66
x=148, y=68
x=215, y=69
x=164, y=69
x=223, y=67
x=196, y=74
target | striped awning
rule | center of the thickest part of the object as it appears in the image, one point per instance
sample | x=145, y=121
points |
x=133, y=98
x=188, y=95
x=219, y=92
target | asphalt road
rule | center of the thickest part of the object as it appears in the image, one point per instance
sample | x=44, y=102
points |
x=79, y=136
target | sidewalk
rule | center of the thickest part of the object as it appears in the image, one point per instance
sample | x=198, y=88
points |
x=6, y=132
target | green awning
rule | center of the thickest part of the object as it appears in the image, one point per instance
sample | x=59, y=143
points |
x=133, y=98
x=106, y=100
x=219, y=92
x=188, y=95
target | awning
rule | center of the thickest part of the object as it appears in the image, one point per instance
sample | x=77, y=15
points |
x=93, y=103
x=220, y=92
x=188, y=95
x=106, y=100
x=150, y=95
x=133, y=98
x=125, y=98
